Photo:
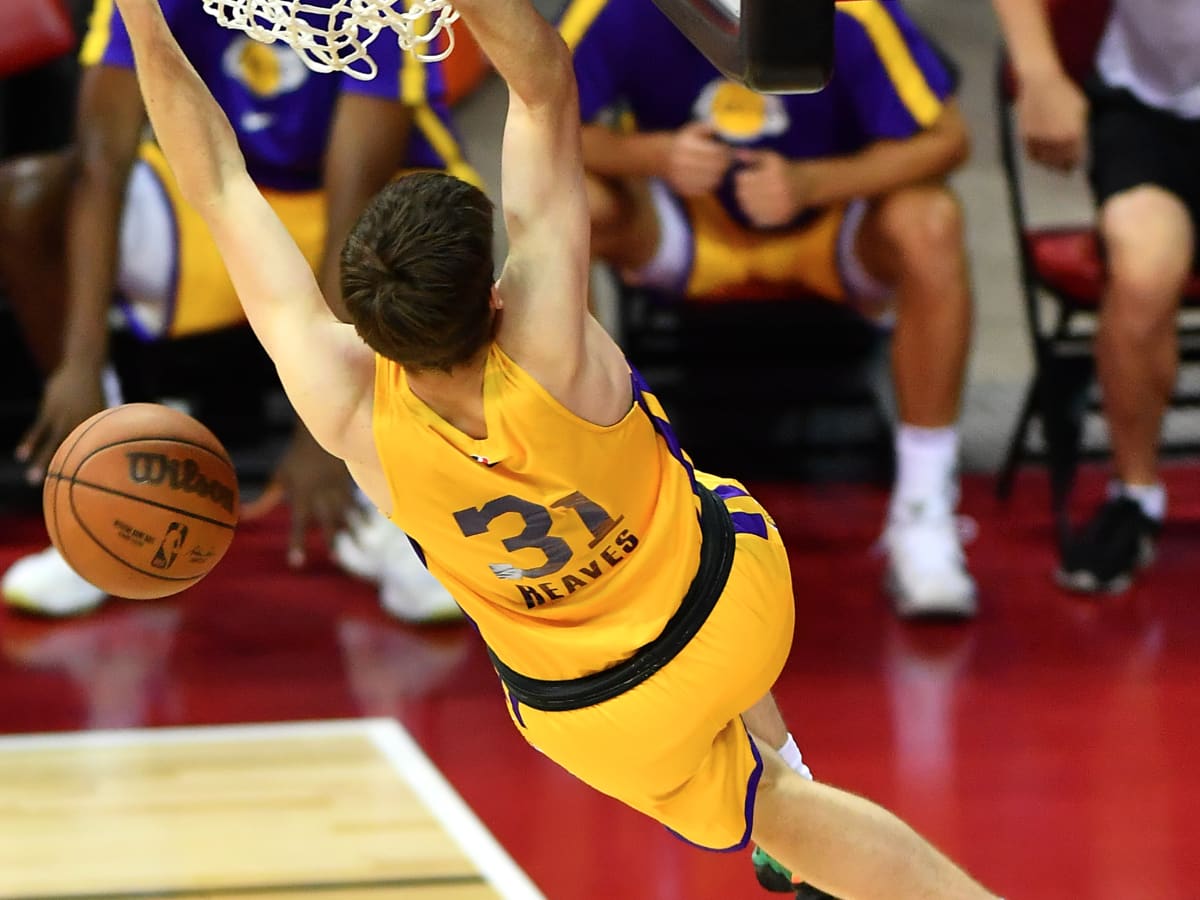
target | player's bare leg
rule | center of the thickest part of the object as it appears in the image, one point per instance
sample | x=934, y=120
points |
x=912, y=240
x=765, y=722
x=849, y=846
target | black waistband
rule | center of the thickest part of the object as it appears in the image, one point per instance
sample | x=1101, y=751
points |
x=716, y=559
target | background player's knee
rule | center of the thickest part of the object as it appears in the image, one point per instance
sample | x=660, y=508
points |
x=922, y=224
x=1150, y=240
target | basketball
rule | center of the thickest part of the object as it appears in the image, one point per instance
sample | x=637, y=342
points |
x=141, y=500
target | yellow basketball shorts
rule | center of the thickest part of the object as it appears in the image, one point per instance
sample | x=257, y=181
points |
x=706, y=256
x=171, y=280
x=674, y=747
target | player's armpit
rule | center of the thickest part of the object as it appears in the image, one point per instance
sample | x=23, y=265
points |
x=545, y=282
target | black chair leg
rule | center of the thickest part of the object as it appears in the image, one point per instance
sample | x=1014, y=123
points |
x=1016, y=445
x=1062, y=408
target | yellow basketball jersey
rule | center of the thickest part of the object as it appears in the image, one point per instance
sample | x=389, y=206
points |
x=548, y=524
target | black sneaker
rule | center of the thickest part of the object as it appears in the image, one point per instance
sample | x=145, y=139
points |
x=774, y=876
x=808, y=892
x=1106, y=553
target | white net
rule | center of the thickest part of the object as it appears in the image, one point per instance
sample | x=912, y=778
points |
x=333, y=35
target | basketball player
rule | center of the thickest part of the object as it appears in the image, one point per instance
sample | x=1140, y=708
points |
x=720, y=192
x=638, y=611
x=318, y=145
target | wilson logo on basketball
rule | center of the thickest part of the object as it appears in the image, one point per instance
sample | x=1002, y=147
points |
x=178, y=475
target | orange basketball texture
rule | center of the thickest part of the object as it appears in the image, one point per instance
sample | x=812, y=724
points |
x=141, y=500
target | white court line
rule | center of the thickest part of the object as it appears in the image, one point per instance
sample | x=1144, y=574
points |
x=389, y=737
x=188, y=734
x=459, y=821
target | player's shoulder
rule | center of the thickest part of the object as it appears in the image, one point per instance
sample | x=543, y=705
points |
x=871, y=23
x=875, y=30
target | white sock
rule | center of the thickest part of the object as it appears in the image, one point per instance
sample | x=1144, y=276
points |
x=926, y=459
x=111, y=386
x=1152, y=498
x=791, y=755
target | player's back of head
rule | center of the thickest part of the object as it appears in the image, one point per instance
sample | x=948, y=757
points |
x=417, y=271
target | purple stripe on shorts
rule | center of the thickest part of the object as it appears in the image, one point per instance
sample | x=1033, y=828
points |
x=725, y=491
x=749, y=523
x=417, y=549
x=516, y=706
x=751, y=795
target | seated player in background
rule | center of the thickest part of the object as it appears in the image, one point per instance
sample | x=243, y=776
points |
x=106, y=221
x=637, y=611
x=717, y=192
x=1142, y=112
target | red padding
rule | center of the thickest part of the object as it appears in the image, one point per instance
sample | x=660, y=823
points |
x=32, y=32
x=1068, y=260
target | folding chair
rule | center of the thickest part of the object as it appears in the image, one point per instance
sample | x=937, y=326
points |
x=766, y=388
x=1064, y=265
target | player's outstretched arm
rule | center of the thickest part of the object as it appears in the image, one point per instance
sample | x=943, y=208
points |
x=545, y=204
x=325, y=369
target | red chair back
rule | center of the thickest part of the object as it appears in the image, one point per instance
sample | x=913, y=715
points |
x=1077, y=27
x=32, y=32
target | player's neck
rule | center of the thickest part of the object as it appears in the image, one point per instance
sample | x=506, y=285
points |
x=457, y=395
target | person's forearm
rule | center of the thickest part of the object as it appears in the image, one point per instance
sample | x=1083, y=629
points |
x=884, y=167
x=525, y=49
x=367, y=147
x=1026, y=27
x=613, y=154
x=93, y=228
x=329, y=274
x=189, y=125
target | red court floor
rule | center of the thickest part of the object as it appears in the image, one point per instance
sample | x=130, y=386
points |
x=1051, y=745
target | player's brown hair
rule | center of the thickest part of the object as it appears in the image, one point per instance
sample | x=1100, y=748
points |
x=417, y=271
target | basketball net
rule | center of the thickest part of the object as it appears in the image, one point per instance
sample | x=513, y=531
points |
x=333, y=36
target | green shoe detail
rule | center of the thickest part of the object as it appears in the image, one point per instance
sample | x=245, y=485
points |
x=771, y=874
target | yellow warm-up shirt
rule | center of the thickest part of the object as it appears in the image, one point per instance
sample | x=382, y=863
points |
x=569, y=544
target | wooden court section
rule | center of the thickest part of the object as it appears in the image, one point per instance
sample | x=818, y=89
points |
x=326, y=811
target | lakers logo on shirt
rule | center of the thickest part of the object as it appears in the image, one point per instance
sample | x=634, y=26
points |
x=738, y=114
x=266, y=70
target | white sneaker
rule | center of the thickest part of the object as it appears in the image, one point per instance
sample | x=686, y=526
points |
x=927, y=573
x=362, y=548
x=376, y=550
x=43, y=583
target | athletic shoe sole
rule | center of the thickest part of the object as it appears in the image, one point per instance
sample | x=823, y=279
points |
x=955, y=608
x=1081, y=581
x=30, y=607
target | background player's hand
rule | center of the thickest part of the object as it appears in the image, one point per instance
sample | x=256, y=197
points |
x=1052, y=116
x=316, y=486
x=696, y=161
x=771, y=190
x=72, y=394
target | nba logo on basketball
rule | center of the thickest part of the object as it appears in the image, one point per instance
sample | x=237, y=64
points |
x=168, y=550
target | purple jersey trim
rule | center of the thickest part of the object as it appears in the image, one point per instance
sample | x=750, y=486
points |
x=751, y=796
